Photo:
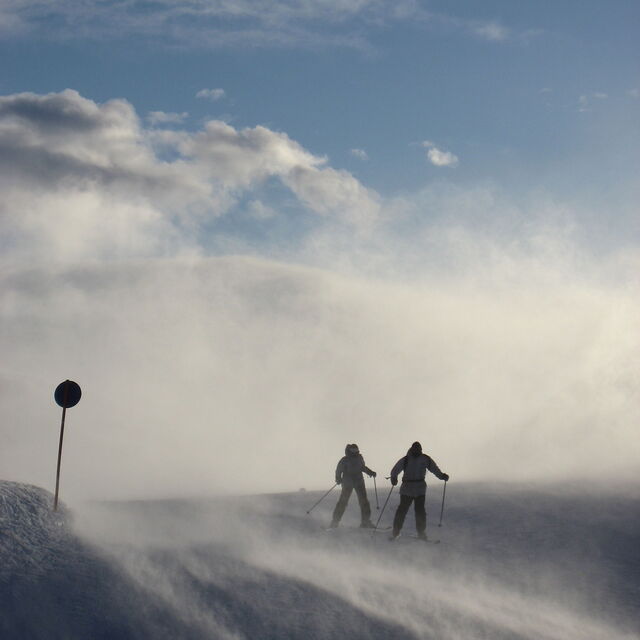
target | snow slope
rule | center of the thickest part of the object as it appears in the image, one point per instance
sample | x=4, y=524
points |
x=514, y=563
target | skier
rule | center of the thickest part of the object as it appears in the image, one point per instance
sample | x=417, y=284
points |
x=349, y=475
x=414, y=487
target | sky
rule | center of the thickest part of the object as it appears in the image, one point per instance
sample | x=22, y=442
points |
x=256, y=231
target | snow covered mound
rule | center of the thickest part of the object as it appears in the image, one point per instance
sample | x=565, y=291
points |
x=29, y=528
x=513, y=564
x=54, y=586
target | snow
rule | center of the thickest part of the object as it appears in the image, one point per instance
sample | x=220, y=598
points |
x=514, y=562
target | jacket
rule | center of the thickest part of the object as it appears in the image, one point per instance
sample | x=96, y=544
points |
x=349, y=471
x=415, y=469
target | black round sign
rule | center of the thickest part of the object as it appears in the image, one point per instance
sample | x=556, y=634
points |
x=68, y=394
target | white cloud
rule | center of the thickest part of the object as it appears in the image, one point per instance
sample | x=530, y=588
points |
x=236, y=23
x=205, y=355
x=359, y=153
x=211, y=24
x=585, y=102
x=442, y=158
x=147, y=190
x=260, y=211
x=327, y=191
x=438, y=157
x=163, y=117
x=239, y=157
x=211, y=94
x=105, y=279
x=10, y=21
x=62, y=140
x=250, y=155
x=492, y=31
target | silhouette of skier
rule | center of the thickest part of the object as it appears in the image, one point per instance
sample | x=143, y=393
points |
x=349, y=475
x=414, y=487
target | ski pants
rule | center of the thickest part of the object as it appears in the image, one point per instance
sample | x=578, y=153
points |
x=361, y=492
x=403, y=507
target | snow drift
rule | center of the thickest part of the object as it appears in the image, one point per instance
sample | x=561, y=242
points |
x=514, y=563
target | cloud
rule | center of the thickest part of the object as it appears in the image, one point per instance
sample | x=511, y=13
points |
x=634, y=93
x=62, y=140
x=239, y=23
x=260, y=211
x=492, y=31
x=356, y=318
x=438, y=157
x=193, y=367
x=216, y=23
x=162, y=117
x=11, y=22
x=240, y=157
x=211, y=94
x=442, y=158
x=149, y=184
x=585, y=101
x=327, y=190
x=251, y=155
x=359, y=153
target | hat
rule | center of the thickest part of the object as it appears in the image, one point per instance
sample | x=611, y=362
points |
x=416, y=449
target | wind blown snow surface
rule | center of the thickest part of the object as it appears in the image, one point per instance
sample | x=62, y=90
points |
x=514, y=562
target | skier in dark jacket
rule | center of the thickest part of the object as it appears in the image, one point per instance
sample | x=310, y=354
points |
x=349, y=475
x=414, y=487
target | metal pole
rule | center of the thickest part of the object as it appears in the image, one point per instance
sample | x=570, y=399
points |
x=384, y=506
x=64, y=412
x=375, y=488
x=321, y=499
x=444, y=489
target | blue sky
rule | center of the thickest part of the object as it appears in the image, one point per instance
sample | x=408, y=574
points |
x=353, y=220
x=527, y=95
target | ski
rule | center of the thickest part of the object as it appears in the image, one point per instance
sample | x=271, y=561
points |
x=415, y=537
x=369, y=529
x=427, y=540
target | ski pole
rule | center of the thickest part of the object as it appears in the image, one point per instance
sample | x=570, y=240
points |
x=375, y=488
x=321, y=499
x=384, y=506
x=444, y=489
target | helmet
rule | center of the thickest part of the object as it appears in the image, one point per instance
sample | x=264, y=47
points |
x=416, y=449
x=351, y=450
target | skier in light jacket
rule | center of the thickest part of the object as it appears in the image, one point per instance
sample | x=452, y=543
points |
x=414, y=487
x=349, y=475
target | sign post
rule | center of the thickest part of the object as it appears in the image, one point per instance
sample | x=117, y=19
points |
x=67, y=394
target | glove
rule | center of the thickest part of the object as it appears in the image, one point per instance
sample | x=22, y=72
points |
x=394, y=481
x=373, y=474
x=445, y=476
x=338, y=481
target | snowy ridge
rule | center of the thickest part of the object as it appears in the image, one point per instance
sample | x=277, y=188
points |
x=513, y=565
x=55, y=586
x=29, y=528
